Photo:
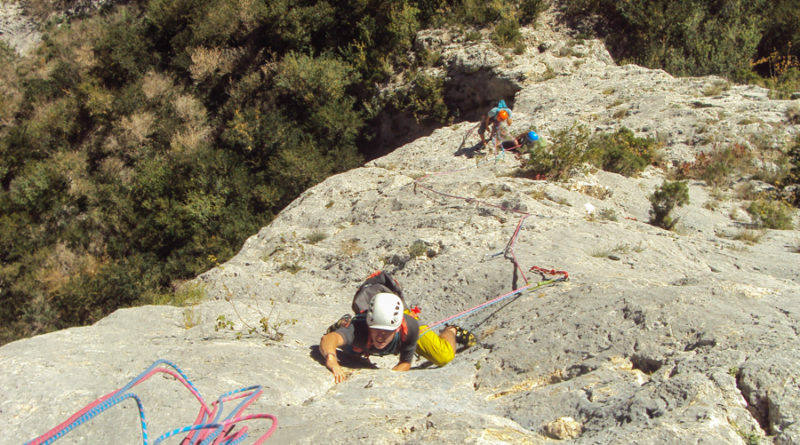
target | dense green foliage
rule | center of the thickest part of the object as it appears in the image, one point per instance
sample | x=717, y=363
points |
x=699, y=37
x=619, y=152
x=141, y=146
x=622, y=152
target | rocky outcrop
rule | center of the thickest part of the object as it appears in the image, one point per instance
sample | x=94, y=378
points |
x=658, y=337
x=16, y=30
x=22, y=32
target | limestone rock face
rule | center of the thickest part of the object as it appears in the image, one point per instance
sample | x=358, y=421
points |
x=657, y=337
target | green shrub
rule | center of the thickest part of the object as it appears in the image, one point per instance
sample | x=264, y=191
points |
x=481, y=12
x=621, y=152
x=156, y=135
x=417, y=249
x=38, y=190
x=123, y=53
x=506, y=33
x=666, y=197
x=529, y=10
x=569, y=149
x=771, y=214
x=424, y=99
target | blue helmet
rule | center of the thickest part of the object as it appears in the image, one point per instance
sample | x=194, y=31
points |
x=532, y=136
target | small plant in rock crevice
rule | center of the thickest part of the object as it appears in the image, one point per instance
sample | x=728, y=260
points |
x=292, y=268
x=750, y=438
x=417, y=249
x=268, y=327
x=749, y=236
x=717, y=88
x=316, y=236
x=607, y=214
x=664, y=200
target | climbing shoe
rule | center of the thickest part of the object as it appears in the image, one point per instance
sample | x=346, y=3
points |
x=341, y=323
x=463, y=336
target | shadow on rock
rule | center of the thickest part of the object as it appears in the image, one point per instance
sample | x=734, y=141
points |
x=345, y=359
x=468, y=151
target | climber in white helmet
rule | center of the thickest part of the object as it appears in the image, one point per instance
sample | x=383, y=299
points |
x=387, y=328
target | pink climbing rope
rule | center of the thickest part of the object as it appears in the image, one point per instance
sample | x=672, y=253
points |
x=207, y=426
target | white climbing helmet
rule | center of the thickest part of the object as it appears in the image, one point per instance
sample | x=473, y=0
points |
x=385, y=312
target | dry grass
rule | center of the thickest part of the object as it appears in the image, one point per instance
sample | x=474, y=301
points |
x=717, y=88
x=491, y=191
x=531, y=383
x=350, y=248
x=749, y=236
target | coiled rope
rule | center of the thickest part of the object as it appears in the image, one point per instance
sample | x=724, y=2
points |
x=208, y=428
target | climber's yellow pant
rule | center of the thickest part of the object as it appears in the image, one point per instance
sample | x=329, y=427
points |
x=434, y=348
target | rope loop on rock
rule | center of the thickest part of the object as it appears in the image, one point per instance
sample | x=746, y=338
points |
x=208, y=427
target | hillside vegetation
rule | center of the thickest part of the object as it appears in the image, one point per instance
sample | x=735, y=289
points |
x=745, y=41
x=140, y=146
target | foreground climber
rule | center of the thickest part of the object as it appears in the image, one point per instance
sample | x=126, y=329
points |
x=387, y=328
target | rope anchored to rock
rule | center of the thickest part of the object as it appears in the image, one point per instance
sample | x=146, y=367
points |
x=208, y=428
x=507, y=252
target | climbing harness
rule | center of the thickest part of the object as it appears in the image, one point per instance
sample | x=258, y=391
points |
x=208, y=428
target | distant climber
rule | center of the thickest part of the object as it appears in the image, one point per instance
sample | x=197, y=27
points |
x=529, y=139
x=386, y=327
x=494, y=119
